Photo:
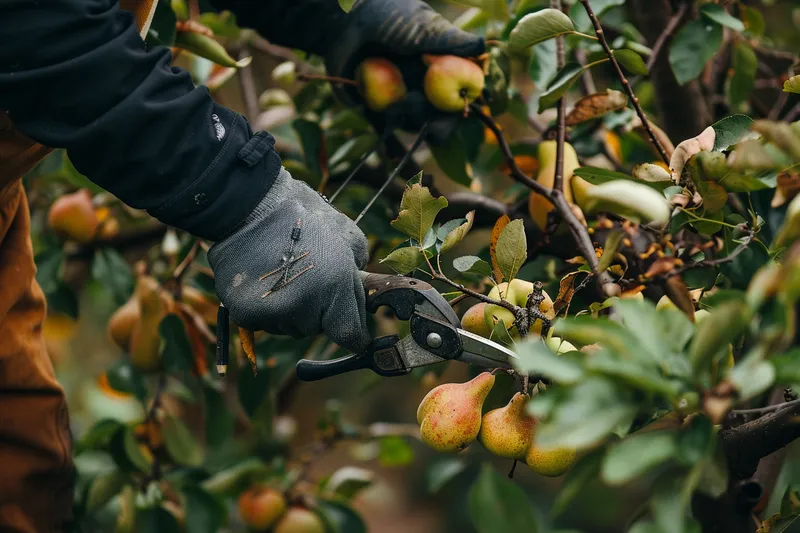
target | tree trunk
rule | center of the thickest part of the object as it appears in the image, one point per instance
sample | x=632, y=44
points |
x=683, y=109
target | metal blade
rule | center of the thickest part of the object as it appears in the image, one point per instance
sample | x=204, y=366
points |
x=483, y=352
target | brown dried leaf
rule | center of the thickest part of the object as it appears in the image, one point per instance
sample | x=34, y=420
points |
x=596, y=105
x=247, y=338
x=677, y=291
x=497, y=230
x=661, y=266
x=566, y=290
x=788, y=187
x=196, y=339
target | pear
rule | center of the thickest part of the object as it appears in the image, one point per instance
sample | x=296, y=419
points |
x=300, y=520
x=73, y=217
x=516, y=292
x=450, y=415
x=508, y=431
x=551, y=462
x=145, y=340
x=538, y=206
x=474, y=322
x=380, y=83
x=121, y=323
x=452, y=83
x=260, y=507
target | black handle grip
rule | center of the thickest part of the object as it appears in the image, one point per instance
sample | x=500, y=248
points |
x=381, y=357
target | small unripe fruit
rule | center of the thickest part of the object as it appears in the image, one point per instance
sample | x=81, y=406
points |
x=72, y=216
x=260, y=507
x=300, y=520
x=450, y=414
x=474, y=322
x=452, y=82
x=380, y=82
x=508, y=431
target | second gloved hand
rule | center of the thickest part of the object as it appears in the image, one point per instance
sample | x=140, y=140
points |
x=293, y=266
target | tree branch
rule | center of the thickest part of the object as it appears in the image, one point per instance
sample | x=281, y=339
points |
x=248, y=88
x=674, y=20
x=625, y=83
x=561, y=125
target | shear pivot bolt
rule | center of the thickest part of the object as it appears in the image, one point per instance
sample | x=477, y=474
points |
x=434, y=340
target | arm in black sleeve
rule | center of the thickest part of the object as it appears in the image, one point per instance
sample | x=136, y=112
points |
x=310, y=25
x=75, y=74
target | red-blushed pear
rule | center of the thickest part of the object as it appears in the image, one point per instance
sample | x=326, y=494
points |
x=508, y=431
x=73, y=217
x=380, y=83
x=300, y=520
x=452, y=83
x=450, y=414
x=260, y=507
x=474, y=322
x=516, y=292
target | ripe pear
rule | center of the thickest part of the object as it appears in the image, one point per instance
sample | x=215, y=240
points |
x=550, y=462
x=508, y=431
x=260, y=507
x=538, y=206
x=300, y=520
x=515, y=292
x=450, y=415
x=72, y=216
x=452, y=83
x=380, y=83
x=145, y=340
x=121, y=323
x=474, y=322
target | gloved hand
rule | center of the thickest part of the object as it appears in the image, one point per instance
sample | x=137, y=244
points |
x=401, y=31
x=318, y=290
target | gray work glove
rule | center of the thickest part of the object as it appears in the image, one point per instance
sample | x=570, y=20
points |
x=319, y=292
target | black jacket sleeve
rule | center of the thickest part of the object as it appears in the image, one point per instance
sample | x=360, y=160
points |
x=75, y=74
x=310, y=25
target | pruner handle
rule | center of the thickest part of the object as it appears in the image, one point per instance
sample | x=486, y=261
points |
x=381, y=357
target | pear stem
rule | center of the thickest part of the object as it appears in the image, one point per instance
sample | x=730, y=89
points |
x=513, y=467
x=330, y=79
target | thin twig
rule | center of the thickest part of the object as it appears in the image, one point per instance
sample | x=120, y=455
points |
x=248, y=88
x=625, y=83
x=482, y=297
x=793, y=113
x=716, y=262
x=760, y=411
x=183, y=266
x=458, y=299
x=780, y=103
x=668, y=30
x=324, y=77
x=587, y=80
x=558, y=179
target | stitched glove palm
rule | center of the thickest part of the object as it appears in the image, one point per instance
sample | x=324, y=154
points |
x=400, y=30
x=311, y=254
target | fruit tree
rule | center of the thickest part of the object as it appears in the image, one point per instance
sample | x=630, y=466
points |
x=618, y=205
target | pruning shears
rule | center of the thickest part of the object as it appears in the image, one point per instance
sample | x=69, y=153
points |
x=435, y=334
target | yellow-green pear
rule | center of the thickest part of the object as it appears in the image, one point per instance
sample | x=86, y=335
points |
x=538, y=206
x=450, y=414
x=452, y=83
x=550, y=462
x=508, y=431
x=515, y=292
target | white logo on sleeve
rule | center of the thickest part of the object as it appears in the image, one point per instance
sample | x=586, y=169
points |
x=218, y=127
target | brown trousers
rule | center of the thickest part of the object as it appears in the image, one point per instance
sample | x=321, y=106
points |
x=35, y=461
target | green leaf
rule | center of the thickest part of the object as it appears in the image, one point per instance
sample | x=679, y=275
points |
x=724, y=325
x=667, y=505
x=512, y=249
x=471, y=264
x=114, y=274
x=536, y=359
x=395, y=451
x=636, y=455
x=103, y=488
x=404, y=260
x=609, y=250
x=692, y=47
x=541, y=69
x=643, y=375
x=176, y=352
x=632, y=62
x=99, y=436
x=498, y=505
x=443, y=471
x=792, y=85
x=500, y=332
x=340, y=518
x=123, y=377
x=236, y=478
x=349, y=481
x=578, y=13
x=583, y=330
x=156, y=519
x=418, y=209
x=204, y=513
x=218, y=418
x=310, y=135
x=540, y=26
x=732, y=130
x=181, y=445
x=743, y=79
x=352, y=150
x=346, y=5
x=717, y=13
x=562, y=83
x=752, y=376
x=787, y=367
x=451, y=156
x=660, y=332
x=126, y=452
x=597, y=176
x=455, y=236
x=587, y=469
